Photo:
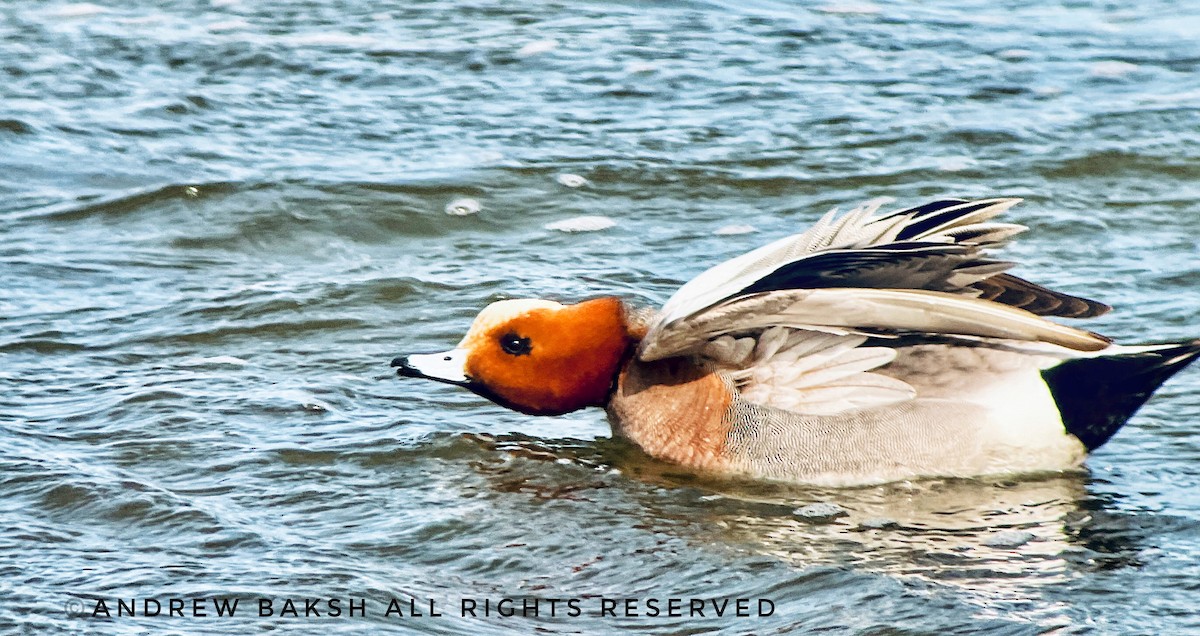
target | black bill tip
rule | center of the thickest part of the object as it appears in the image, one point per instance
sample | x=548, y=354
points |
x=404, y=369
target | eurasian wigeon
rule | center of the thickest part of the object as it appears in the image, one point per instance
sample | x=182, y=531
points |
x=865, y=350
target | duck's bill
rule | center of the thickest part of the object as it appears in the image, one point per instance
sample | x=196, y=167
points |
x=447, y=366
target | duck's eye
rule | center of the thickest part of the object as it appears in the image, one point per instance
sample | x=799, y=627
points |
x=515, y=345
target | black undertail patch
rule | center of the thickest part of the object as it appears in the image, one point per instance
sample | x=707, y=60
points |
x=1096, y=396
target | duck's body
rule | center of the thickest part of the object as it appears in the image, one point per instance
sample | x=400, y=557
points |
x=865, y=350
x=709, y=425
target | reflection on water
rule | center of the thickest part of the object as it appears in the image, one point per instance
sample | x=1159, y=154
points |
x=996, y=539
x=1001, y=542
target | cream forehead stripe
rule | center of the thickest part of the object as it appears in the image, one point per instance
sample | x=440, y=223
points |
x=503, y=311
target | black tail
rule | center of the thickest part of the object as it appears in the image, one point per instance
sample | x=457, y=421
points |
x=1095, y=396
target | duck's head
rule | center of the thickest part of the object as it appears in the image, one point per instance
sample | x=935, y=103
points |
x=534, y=356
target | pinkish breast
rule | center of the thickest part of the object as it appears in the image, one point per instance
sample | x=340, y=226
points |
x=675, y=411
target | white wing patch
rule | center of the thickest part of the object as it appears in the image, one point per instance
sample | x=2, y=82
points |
x=807, y=371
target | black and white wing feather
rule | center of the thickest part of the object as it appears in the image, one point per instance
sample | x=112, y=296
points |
x=921, y=271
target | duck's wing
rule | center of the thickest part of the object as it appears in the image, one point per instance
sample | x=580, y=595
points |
x=922, y=270
x=1018, y=292
x=807, y=371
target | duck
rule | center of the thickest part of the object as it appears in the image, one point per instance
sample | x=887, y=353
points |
x=871, y=348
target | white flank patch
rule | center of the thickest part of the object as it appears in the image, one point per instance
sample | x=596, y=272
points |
x=1021, y=402
x=582, y=224
x=463, y=207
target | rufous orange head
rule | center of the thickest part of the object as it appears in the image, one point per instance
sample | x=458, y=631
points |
x=534, y=356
